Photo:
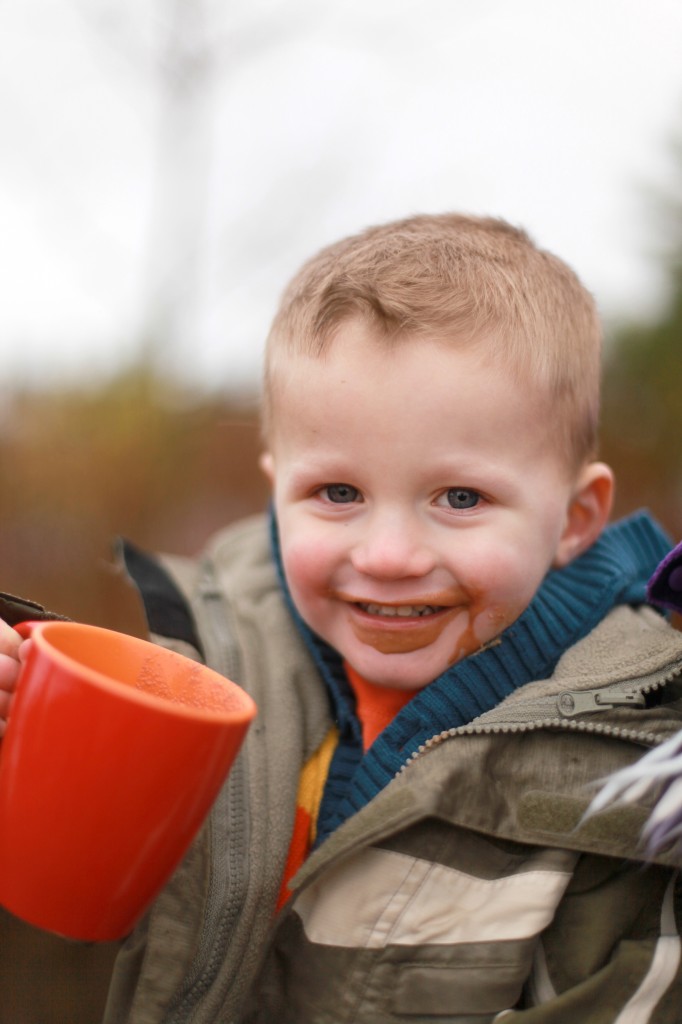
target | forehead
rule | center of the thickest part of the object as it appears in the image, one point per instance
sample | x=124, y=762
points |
x=367, y=392
x=350, y=353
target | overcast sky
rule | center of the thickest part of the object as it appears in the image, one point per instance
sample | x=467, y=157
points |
x=165, y=167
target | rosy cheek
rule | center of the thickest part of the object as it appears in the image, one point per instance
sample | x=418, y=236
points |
x=500, y=586
x=304, y=566
x=298, y=570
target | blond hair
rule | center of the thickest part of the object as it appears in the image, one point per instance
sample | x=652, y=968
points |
x=462, y=280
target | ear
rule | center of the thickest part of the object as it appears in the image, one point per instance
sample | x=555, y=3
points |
x=267, y=465
x=588, y=512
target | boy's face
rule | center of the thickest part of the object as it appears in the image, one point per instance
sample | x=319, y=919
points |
x=419, y=498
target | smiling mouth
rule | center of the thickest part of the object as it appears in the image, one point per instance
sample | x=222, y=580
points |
x=399, y=611
x=400, y=628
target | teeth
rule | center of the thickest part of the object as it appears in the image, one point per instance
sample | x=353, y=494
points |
x=402, y=611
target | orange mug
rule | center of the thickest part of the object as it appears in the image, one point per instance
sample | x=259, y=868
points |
x=114, y=752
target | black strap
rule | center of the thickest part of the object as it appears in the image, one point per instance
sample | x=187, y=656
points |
x=168, y=613
x=15, y=609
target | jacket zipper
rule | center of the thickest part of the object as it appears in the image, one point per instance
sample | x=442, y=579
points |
x=566, y=705
x=577, y=702
x=217, y=928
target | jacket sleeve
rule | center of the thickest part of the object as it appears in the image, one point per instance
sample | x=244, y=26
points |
x=612, y=954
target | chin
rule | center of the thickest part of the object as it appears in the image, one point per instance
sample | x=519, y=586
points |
x=387, y=670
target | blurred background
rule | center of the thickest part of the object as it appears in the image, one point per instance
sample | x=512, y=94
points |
x=167, y=164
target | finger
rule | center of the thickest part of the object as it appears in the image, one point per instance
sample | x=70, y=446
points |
x=24, y=648
x=10, y=641
x=4, y=717
x=5, y=705
x=9, y=671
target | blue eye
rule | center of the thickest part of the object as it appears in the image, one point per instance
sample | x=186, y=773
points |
x=462, y=498
x=341, y=494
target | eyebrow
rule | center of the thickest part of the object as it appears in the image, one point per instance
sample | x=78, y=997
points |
x=328, y=470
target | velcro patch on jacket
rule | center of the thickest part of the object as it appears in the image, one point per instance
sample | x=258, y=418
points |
x=557, y=816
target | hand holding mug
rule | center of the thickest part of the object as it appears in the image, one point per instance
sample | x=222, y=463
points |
x=12, y=653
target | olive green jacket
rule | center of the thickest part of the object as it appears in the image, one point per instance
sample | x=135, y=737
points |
x=468, y=887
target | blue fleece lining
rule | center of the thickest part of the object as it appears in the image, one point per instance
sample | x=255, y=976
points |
x=569, y=603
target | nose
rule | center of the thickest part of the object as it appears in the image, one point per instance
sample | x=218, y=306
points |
x=391, y=547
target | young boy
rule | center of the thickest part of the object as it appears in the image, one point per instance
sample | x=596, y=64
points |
x=448, y=647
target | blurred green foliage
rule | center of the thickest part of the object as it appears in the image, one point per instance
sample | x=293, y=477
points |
x=642, y=408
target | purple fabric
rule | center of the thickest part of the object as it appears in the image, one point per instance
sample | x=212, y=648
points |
x=665, y=586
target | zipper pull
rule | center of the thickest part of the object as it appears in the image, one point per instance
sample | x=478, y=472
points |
x=577, y=702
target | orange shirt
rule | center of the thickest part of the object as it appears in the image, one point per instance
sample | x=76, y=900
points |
x=376, y=708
